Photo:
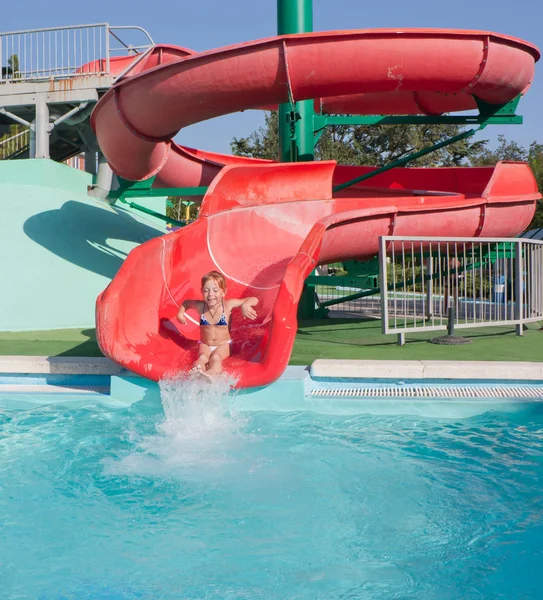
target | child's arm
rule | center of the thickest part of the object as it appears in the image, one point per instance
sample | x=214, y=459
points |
x=246, y=306
x=184, y=306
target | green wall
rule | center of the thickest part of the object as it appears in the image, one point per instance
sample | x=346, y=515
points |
x=59, y=247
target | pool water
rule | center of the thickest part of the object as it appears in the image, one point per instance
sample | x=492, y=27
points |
x=193, y=500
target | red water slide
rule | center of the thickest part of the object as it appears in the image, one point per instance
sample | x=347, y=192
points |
x=265, y=226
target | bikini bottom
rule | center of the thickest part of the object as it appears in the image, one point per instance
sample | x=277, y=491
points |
x=213, y=348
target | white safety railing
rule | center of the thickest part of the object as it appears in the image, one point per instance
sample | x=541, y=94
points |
x=425, y=282
x=61, y=52
x=14, y=144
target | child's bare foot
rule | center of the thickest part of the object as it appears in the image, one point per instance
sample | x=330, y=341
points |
x=200, y=375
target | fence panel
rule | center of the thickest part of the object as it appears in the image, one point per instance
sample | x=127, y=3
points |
x=474, y=281
x=60, y=52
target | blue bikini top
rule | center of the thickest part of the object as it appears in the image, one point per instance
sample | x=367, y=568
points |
x=221, y=321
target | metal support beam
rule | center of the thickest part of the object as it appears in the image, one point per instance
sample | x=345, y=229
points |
x=296, y=138
x=489, y=114
x=295, y=118
x=158, y=192
x=13, y=117
x=153, y=213
x=66, y=116
x=91, y=158
x=39, y=134
x=409, y=158
x=323, y=121
x=104, y=178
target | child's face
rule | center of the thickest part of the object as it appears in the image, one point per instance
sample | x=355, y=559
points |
x=212, y=293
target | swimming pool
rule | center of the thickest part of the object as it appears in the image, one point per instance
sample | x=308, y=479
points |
x=196, y=500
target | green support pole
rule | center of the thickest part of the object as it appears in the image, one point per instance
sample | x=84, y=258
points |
x=296, y=137
x=295, y=121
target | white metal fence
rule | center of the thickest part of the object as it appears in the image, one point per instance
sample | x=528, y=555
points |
x=60, y=52
x=476, y=282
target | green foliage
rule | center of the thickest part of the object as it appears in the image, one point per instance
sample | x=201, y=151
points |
x=13, y=62
x=15, y=144
x=262, y=143
x=505, y=151
x=12, y=70
x=365, y=144
x=381, y=144
x=176, y=208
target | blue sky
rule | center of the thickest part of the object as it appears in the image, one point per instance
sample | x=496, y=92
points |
x=206, y=24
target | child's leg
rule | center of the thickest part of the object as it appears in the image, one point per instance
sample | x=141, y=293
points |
x=200, y=363
x=216, y=358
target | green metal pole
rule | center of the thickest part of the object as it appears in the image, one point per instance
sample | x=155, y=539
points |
x=295, y=121
x=296, y=137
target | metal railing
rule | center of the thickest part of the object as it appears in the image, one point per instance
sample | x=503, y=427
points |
x=343, y=294
x=11, y=146
x=425, y=282
x=61, y=52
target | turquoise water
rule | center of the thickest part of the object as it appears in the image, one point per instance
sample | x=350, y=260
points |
x=194, y=501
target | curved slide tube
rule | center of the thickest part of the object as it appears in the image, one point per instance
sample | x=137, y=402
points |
x=265, y=226
x=383, y=71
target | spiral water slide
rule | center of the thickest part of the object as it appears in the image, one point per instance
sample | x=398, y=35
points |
x=266, y=226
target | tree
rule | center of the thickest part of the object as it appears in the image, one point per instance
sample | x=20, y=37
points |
x=367, y=145
x=13, y=62
x=535, y=160
x=509, y=150
x=262, y=143
x=12, y=70
x=505, y=151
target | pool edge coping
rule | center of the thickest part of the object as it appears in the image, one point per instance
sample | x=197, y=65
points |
x=60, y=365
x=427, y=369
x=319, y=368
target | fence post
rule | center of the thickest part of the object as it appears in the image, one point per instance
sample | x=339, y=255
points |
x=383, y=283
x=429, y=288
x=107, y=49
x=519, y=289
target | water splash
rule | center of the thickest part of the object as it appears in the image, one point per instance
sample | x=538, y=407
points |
x=197, y=411
x=201, y=430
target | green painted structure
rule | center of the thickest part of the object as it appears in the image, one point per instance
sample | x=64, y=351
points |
x=60, y=248
x=296, y=139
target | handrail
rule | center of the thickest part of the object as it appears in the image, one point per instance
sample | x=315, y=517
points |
x=14, y=144
x=60, y=52
x=64, y=27
x=13, y=137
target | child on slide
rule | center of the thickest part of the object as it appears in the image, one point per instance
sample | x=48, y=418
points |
x=215, y=311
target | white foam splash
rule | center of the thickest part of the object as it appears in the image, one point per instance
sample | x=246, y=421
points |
x=201, y=430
